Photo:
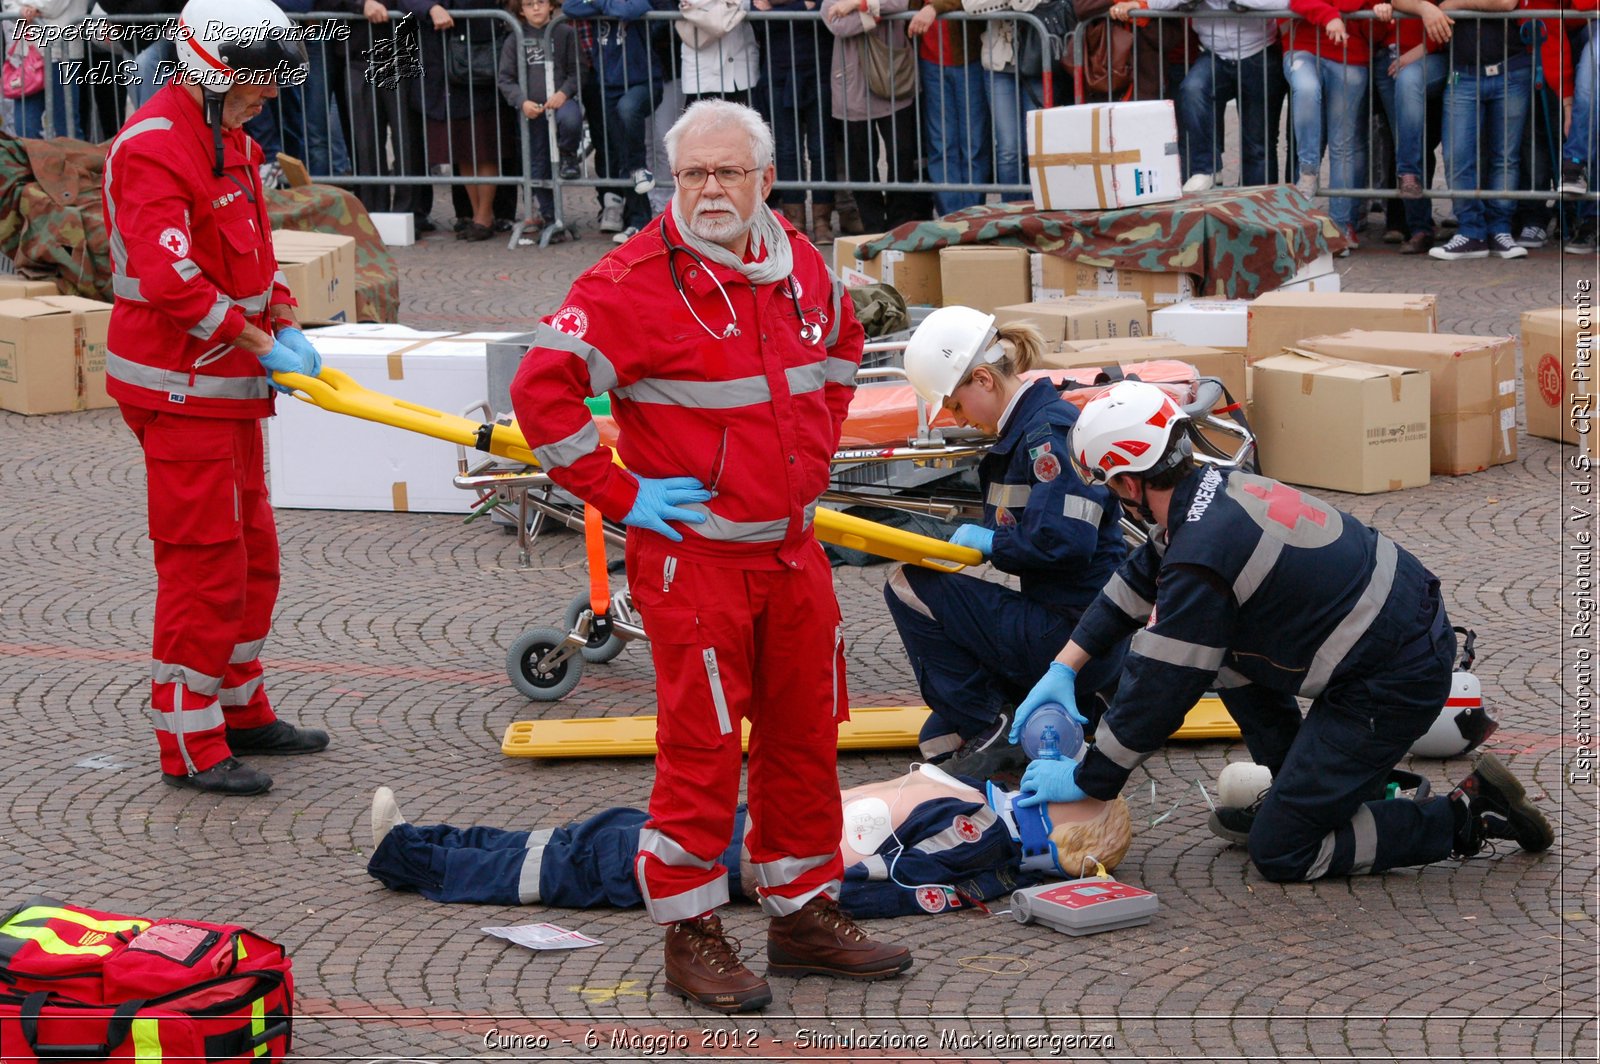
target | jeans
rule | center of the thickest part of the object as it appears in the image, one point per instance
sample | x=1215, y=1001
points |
x=569, y=130
x=63, y=107
x=1406, y=98
x=800, y=129
x=300, y=124
x=1257, y=84
x=152, y=73
x=865, y=144
x=1010, y=97
x=1327, y=102
x=955, y=121
x=1485, y=114
x=627, y=115
x=1583, y=142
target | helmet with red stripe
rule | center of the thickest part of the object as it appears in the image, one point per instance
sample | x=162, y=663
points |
x=1129, y=428
x=222, y=43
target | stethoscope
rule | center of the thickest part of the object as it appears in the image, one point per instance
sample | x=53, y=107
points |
x=810, y=331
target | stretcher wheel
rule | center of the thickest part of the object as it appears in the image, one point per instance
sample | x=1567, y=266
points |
x=529, y=648
x=604, y=642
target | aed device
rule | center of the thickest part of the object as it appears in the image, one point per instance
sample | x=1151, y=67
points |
x=1084, y=906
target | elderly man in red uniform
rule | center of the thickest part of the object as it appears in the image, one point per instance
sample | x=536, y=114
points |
x=730, y=354
x=202, y=317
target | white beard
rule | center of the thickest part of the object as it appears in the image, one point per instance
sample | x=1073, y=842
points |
x=718, y=230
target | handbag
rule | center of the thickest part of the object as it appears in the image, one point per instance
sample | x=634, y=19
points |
x=891, y=72
x=22, y=76
x=707, y=21
x=1059, y=19
x=471, y=62
x=1108, y=58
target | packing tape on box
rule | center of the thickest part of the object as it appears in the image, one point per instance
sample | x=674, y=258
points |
x=401, y=502
x=1097, y=158
x=1396, y=374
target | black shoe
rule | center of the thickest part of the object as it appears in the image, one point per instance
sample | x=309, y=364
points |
x=423, y=225
x=1233, y=823
x=228, y=776
x=991, y=756
x=1491, y=804
x=569, y=169
x=475, y=232
x=279, y=737
x=504, y=225
x=459, y=226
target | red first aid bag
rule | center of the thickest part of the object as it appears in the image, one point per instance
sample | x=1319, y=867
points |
x=77, y=984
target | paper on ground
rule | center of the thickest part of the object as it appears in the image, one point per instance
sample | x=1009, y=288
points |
x=542, y=936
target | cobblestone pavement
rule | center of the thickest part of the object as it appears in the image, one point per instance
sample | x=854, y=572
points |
x=391, y=632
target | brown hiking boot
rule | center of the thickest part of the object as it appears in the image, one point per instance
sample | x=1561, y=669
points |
x=703, y=966
x=821, y=230
x=821, y=939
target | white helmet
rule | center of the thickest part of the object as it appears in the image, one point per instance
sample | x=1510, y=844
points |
x=1461, y=725
x=945, y=346
x=223, y=42
x=1126, y=429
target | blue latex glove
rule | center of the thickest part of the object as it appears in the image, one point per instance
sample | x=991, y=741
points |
x=1050, y=781
x=977, y=537
x=661, y=501
x=296, y=341
x=285, y=359
x=1058, y=684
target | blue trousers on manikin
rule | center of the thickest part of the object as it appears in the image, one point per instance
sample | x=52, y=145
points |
x=982, y=649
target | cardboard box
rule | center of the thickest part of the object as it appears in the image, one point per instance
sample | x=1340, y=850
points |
x=1349, y=426
x=53, y=355
x=1081, y=318
x=378, y=468
x=14, y=287
x=1100, y=155
x=1558, y=375
x=321, y=271
x=1473, y=382
x=914, y=274
x=1223, y=323
x=397, y=229
x=1053, y=277
x=1226, y=366
x=1280, y=320
x=983, y=277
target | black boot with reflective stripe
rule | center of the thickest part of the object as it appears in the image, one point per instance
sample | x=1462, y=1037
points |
x=1491, y=804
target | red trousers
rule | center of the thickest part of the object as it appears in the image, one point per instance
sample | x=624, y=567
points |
x=216, y=554
x=729, y=643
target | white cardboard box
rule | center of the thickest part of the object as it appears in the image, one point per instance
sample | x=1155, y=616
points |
x=323, y=461
x=396, y=229
x=1100, y=155
x=1205, y=322
x=1318, y=275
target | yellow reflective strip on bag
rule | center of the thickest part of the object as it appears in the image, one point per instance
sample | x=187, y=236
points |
x=147, y=1041
x=240, y=952
x=51, y=912
x=50, y=942
x=258, y=1022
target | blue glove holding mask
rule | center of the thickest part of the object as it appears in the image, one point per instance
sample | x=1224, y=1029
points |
x=660, y=501
x=296, y=341
x=291, y=354
x=1058, y=684
x=1050, y=781
x=977, y=537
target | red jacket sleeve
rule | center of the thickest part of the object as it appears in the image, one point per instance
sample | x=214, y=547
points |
x=844, y=358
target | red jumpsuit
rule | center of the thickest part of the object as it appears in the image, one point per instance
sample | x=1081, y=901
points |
x=742, y=617
x=192, y=262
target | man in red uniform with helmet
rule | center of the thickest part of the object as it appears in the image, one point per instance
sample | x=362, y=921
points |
x=202, y=317
x=730, y=354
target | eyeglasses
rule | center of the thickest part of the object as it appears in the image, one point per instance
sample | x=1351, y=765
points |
x=727, y=176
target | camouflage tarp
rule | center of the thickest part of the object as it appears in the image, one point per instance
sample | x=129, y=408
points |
x=1238, y=242
x=52, y=223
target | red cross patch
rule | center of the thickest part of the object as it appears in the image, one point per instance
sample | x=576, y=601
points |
x=174, y=240
x=1284, y=513
x=967, y=830
x=1287, y=506
x=570, y=320
x=932, y=899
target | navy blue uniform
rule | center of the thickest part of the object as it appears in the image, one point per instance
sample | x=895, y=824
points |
x=1265, y=593
x=975, y=645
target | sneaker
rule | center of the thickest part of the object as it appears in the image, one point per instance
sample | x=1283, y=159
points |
x=1532, y=236
x=1417, y=243
x=271, y=176
x=822, y=939
x=1307, y=185
x=1199, y=183
x=279, y=737
x=1233, y=823
x=569, y=170
x=1411, y=186
x=1573, y=183
x=643, y=180
x=989, y=755
x=1505, y=248
x=626, y=235
x=1491, y=804
x=703, y=966
x=611, y=214
x=1461, y=247
x=1350, y=244
x=1582, y=242
x=229, y=776
x=385, y=815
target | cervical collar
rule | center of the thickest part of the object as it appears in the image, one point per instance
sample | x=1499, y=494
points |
x=1030, y=829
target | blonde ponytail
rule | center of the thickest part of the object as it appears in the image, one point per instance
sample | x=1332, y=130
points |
x=1023, y=345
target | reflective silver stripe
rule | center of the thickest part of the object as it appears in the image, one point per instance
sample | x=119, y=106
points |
x=1125, y=598
x=240, y=695
x=785, y=870
x=204, y=386
x=719, y=698
x=778, y=905
x=1356, y=622
x=279, y=279
x=833, y=332
x=198, y=682
x=187, y=721
x=721, y=528
x=125, y=287
x=186, y=269
x=939, y=744
x=254, y=304
x=1319, y=867
x=840, y=371
x=1106, y=741
x=243, y=652
x=653, y=842
x=566, y=451
x=528, y=879
x=877, y=867
x=1366, y=839
x=951, y=837
x=900, y=584
x=698, y=395
x=207, y=327
x=602, y=374
x=1256, y=570
x=1176, y=651
x=805, y=379
x=808, y=514
x=1078, y=508
x=121, y=284
x=1009, y=496
x=1227, y=678
x=685, y=906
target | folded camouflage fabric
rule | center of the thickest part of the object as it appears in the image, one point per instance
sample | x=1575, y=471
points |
x=1238, y=242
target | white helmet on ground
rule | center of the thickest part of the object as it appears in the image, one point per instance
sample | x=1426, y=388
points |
x=222, y=43
x=945, y=347
x=1127, y=429
x=1462, y=724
